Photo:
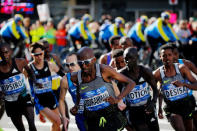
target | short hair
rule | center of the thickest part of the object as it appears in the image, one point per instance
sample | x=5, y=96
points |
x=165, y=47
x=44, y=41
x=71, y=53
x=36, y=45
x=117, y=52
x=123, y=40
x=3, y=44
x=113, y=38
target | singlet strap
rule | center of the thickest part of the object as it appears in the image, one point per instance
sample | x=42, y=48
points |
x=108, y=58
x=180, y=61
x=98, y=72
x=68, y=78
x=14, y=65
x=33, y=67
x=79, y=77
x=161, y=72
x=52, y=59
x=177, y=68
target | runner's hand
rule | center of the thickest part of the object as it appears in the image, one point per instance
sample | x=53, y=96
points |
x=2, y=95
x=39, y=85
x=112, y=100
x=150, y=107
x=74, y=110
x=178, y=83
x=160, y=113
x=65, y=122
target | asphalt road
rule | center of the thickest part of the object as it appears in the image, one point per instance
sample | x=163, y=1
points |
x=7, y=125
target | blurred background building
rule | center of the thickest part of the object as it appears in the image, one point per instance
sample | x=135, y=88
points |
x=129, y=9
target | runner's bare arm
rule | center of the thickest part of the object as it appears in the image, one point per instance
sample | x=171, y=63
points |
x=53, y=67
x=103, y=59
x=109, y=73
x=191, y=66
x=186, y=73
x=63, y=91
x=151, y=80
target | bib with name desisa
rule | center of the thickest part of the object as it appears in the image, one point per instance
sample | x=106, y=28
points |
x=174, y=93
x=139, y=94
x=46, y=85
x=12, y=86
x=94, y=99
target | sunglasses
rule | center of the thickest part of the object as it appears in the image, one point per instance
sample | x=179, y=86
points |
x=71, y=64
x=86, y=62
x=37, y=54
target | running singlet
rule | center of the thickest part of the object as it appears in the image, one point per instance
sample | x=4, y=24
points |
x=43, y=77
x=72, y=90
x=180, y=61
x=170, y=91
x=94, y=92
x=140, y=94
x=108, y=58
x=13, y=83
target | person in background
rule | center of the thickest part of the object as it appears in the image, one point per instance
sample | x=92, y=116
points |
x=114, y=44
x=118, y=59
x=67, y=84
x=27, y=22
x=61, y=36
x=136, y=33
x=183, y=32
x=104, y=34
x=125, y=42
x=37, y=31
x=50, y=35
x=14, y=31
x=118, y=27
x=159, y=33
x=80, y=32
x=128, y=26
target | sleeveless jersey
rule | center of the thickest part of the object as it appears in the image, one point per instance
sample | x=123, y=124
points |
x=43, y=76
x=73, y=92
x=94, y=92
x=13, y=83
x=71, y=88
x=108, y=58
x=140, y=94
x=180, y=61
x=170, y=91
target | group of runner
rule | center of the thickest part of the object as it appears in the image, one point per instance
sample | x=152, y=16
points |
x=109, y=95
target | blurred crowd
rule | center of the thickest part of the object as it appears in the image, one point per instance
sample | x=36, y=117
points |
x=75, y=33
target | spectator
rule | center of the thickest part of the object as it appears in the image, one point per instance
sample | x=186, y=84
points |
x=61, y=36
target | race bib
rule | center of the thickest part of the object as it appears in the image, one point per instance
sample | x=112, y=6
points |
x=174, y=93
x=94, y=100
x=139, y=94
x=46, y=85
x=55, y=82
x=13, y=85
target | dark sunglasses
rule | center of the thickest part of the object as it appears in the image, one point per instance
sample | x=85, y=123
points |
x=86, y=62
x=37, y=54
x=71, y=64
